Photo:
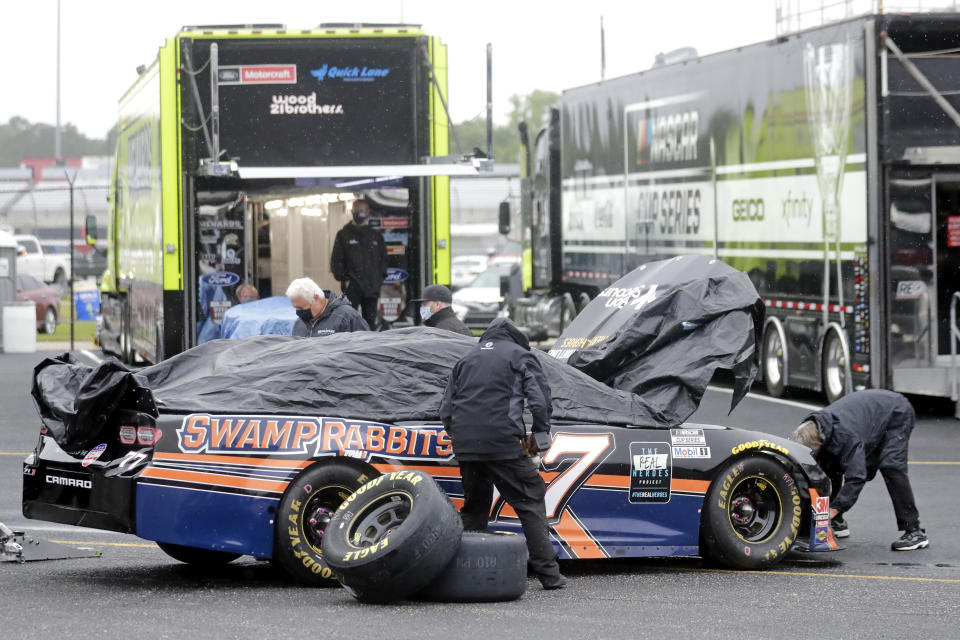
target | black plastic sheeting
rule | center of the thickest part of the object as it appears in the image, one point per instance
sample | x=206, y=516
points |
x=390, y=376
x=664, y=329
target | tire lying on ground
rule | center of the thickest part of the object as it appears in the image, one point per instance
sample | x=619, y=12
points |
x=392, y=537
x=488, y=567
x=197, y=557
x=304, y=515
x=752, y=514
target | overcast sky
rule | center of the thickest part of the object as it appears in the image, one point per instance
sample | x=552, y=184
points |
x=543, y=44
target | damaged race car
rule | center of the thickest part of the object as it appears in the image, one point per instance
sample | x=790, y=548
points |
x=248, y=447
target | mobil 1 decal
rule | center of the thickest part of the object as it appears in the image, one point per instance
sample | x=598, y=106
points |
x=651, y=469
x=297, y=102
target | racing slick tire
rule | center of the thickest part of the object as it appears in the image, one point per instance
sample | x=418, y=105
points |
x=488, y=567
x=752, y=514
x=393, y=536
x=197, y=557
x=303, y=517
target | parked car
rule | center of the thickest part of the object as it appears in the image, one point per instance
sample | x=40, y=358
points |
x=89, y=261
x=482, y=300
x=465, y=269
x=45, y=297
x=33, y=260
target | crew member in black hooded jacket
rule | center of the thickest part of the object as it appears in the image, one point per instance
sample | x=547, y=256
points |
x=359, y=262
x=482, y=409
x=319, y=312
x=852, y=439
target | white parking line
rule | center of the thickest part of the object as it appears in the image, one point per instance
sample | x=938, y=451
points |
x=90, y=354
x=757, y=396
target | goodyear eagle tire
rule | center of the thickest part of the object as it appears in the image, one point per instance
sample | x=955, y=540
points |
x=752, y=514
x=392, y=537
x=304, y=515
x=197, y=557
x=488, y=567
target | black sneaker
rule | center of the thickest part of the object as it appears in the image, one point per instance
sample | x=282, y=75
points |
x=552, y=582
x=839, y=526
x=916, y=539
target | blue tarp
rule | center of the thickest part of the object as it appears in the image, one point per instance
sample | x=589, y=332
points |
x=270, y=316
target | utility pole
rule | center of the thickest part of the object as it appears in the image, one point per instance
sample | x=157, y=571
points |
x=56, y=139
x=603, y=51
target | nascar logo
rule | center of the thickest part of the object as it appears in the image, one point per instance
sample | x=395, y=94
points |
x=93, y=455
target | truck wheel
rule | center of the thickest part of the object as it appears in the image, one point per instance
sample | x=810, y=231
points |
x=195, y=556
x=49, y=320
x=488, y=567
x=304, y=516
x=752, y=513
x=834, y=368
x=393, y=536
x=60, y=280
x=774, y=370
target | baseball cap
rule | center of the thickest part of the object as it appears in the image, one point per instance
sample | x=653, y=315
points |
x=435, y=293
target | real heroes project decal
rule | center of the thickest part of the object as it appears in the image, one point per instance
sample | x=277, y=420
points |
x=651, y=469
x=313, y=101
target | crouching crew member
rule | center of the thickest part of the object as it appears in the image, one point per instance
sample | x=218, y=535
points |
x=852, y=439
x=319, y=312
x=482, y=409
x=435, y=310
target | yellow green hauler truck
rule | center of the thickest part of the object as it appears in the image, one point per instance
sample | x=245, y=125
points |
x=240, y=151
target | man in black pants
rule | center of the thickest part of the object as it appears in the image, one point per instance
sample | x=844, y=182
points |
x=359, y=262
x=852, y=439
x=482, y=410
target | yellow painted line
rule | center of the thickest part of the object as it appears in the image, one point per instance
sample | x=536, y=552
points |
x=106, y=544
x=834, y=575
x=930, y=462
x=13, y=453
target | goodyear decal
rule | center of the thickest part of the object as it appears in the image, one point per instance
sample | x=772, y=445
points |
x=298, y=435
x=758, y=444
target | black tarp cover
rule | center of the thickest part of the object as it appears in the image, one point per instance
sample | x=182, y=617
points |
x=664, y=329
x=390, y=376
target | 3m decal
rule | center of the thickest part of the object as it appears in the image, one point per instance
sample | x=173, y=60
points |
x=687, y=436
x=292, y=435
x=651, y=469
x=587, y=452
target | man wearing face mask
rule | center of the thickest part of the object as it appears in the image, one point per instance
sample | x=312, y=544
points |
x=359, y=262
x=435, y=310
x=319, y=312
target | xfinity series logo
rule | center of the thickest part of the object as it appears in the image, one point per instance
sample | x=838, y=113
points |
x=349, y=74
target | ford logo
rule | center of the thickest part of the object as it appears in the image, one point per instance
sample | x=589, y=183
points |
x=395, y=275
x=220, y=279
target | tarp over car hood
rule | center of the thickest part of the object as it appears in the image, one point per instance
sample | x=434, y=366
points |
x=390, y=377
x=664, y=329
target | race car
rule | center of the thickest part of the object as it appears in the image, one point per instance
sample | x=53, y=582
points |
x=248, y=447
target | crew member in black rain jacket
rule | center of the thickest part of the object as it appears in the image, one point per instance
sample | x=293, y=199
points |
x=437, y=312
x=852, y=439
x=482, y=409
x=319, y=312
x=359, y=262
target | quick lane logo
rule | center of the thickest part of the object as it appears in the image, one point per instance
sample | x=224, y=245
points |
x=350, y=74
x=668, y=138
x=289, y=435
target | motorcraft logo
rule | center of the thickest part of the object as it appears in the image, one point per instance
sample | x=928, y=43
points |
x=298, y=435
x=349, y=74
x=300, y=104
x=258, y=74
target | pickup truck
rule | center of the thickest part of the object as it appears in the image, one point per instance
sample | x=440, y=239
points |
x=32, y=260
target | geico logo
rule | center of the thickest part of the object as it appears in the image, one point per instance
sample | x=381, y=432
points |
x=752, y=209
x=69, y=482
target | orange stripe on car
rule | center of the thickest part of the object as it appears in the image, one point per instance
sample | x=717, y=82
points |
x=258, y=462
x=214, y=479
x=577, y=538
x=689, y=486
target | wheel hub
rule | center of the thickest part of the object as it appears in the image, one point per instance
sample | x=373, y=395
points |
x=319, y=520
x=742, y=511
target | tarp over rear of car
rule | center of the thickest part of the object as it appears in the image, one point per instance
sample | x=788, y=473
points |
x=390, y=377
x=664, y=329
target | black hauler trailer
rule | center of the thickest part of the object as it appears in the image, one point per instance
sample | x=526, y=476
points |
x=825, y=164
x=240, y=151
